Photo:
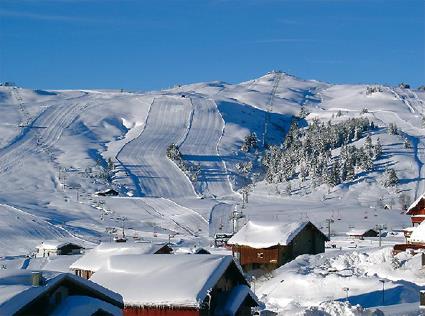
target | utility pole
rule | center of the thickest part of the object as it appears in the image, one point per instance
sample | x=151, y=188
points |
x=383, y=291
x=329, y=221
x=236, y=215
x=380, y=228
x=346, y=289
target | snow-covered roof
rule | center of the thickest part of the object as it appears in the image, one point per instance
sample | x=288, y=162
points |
x=414, y=204
x=418, y=234
x=94, y=259
x=16, y=290
x=163, y=280
x=55, y=244
x=266, y=234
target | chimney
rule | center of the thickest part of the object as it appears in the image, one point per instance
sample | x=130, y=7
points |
x=36, y=278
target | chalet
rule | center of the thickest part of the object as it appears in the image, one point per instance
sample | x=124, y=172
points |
x=107, y=192
x=362, y=233
x=268, y=245
x=192, y=285
x=94, y=259
x=56, y=248
x=417, y=210
x=415, y=239
x=25, y=292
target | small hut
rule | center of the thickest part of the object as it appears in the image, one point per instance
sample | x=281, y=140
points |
x=56, y=248
x=362, y=233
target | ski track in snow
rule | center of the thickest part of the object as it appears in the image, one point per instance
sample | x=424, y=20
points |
x=201, y=147
x=220, y=219
x=168, y=214
x=36, y=140
x=145, y=157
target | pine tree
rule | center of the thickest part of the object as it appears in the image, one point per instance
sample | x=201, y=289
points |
x=377, y=149
x=391, y=178
x=392, y=129
x=368, y=146
x=303, y=113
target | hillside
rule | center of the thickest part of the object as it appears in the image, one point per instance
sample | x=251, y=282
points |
x=55, y=147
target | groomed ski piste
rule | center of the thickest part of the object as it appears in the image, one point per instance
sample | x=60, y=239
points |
x=55, y=146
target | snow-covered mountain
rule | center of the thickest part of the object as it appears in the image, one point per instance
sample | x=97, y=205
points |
x=55, y=147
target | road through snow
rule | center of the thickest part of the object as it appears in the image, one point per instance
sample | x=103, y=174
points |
x=145, y=158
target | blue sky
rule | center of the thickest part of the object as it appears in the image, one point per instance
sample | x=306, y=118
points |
x=155, y=44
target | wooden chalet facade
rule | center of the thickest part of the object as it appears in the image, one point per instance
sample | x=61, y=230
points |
x=189, y=285
x=93, y=260
x=417, y=211
x=288, y=241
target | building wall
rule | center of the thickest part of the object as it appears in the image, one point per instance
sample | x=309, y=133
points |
x=308, y=241
x=85, y=274
x=140, y=311
x=248, y=255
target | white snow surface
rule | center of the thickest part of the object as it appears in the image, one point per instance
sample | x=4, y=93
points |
x=310, y=280
x=257, y=234
x=162, y=280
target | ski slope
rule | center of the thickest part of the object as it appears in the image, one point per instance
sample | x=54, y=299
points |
x=201, y=147
x=144, y=158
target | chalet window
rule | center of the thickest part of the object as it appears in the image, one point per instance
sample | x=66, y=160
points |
x=260, y=255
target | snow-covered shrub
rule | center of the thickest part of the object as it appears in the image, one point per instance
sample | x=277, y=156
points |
x=373, y=89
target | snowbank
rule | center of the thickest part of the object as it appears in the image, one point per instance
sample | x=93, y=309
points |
x=311, y=280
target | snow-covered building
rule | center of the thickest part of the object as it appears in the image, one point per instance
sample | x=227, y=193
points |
x=362, y=233
x=178, y=285
x=268, y=245
x=415, y=239
x=417, y=210
x=94, y=259
x=49, y=248
x=418, y=235
x=25, y=292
